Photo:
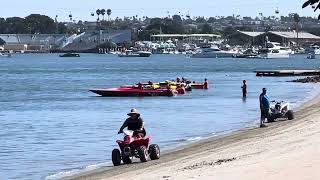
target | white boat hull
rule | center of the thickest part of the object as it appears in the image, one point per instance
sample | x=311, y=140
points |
x=275, y=56
x=138, y=54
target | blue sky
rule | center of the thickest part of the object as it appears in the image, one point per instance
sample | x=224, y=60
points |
x=81, y=9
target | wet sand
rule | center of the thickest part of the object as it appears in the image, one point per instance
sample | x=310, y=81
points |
x=284, y=150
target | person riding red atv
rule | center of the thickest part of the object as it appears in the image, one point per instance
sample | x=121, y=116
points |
x=134, y=146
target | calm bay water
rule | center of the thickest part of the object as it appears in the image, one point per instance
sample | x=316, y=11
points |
x=51, y=123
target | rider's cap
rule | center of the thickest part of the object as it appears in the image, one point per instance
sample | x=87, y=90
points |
x=133, y=111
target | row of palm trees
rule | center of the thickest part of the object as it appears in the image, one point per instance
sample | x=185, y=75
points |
x=103, y=12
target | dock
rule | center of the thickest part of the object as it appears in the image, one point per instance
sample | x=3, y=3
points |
x=278, y=73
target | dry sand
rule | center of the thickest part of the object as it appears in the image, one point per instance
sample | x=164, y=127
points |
x=284, y=150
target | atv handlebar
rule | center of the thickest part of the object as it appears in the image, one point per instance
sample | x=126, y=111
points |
x=274, y=101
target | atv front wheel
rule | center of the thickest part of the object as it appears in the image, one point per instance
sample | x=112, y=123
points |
x=154, y=151
x=143, y=154
x=290, y=115
x=116, y=157
x=271, y=118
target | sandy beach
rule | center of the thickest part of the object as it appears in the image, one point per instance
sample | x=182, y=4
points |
x=284, y=150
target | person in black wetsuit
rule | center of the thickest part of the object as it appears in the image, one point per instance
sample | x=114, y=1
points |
x=134, y=123
x=244, y=89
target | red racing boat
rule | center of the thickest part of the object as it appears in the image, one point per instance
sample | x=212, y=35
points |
x=131, y=92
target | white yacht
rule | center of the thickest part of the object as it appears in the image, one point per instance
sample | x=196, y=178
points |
x=275, y=51
x=213, y=52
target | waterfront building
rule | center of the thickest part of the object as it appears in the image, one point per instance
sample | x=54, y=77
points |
x=286, y=38
x=83, y=42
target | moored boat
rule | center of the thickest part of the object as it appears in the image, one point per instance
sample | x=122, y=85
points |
x=130, y=53
x=315, y=49
x=275, y=51
x=70, y=55
x=213, y=52
x=249, y=53
x=9, y=55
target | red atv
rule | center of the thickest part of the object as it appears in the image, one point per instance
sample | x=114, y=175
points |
x=134, y=146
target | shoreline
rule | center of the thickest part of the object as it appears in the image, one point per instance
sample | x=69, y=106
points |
x=199, y=148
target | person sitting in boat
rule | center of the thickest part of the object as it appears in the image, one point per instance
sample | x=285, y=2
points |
x=149, y=85
x=140, y=86
x=181, y=89
x=188, y=86
x=134, y=123
x=183, y=80
x=170, y=91
x=168, y=86
x=206, y=84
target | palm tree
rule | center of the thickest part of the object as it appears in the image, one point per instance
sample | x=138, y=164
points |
x=109, y=12
x=98, y=12
x=103, y=12
x=70, y=17
x=296, y=19
x=314, y=3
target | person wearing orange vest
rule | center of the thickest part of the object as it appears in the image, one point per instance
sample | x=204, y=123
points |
x=206, y=84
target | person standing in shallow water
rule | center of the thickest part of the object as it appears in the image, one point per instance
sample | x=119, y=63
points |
x=264, y=107
x=244, y=89
x=206, y=84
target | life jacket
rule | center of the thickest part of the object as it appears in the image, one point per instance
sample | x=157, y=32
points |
x=206, y=85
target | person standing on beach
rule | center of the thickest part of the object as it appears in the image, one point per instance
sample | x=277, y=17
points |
x=264, y=107
x=244, y=89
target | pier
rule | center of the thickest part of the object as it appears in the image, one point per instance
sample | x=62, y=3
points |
x=278, y=73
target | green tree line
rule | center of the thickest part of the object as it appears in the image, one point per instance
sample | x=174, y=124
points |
x=32, y=24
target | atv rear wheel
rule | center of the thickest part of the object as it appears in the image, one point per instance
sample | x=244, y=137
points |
x=143, y=154
x=126, y=160
x=154, y=151
x=290, y=115
x=116, y=157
